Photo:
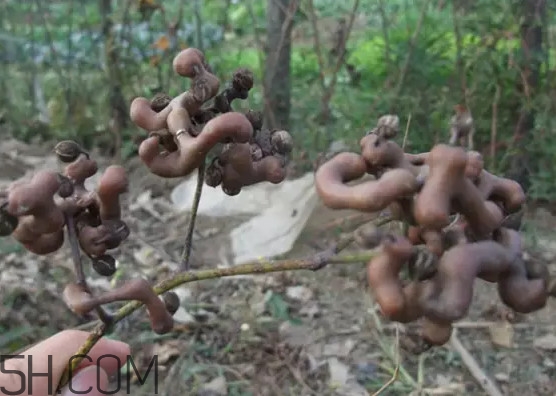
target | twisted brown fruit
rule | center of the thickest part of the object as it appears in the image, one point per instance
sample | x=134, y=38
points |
x=188, y=63
x=40, y=221
x=82, y=302
x=387, y=126
x=371, y=196
x=382, y=154
x=181, y=125
x=396, y=302
x=508, y=193
x=193, y=150
x=51, y=201
x=235, y=168
x=449, y=293
x=263, y=159
x=462, y=128
x=448, y=190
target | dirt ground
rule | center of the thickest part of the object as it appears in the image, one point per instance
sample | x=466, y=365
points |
x=297, y=333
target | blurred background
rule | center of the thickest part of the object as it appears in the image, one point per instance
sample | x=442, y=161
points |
x=325, y=69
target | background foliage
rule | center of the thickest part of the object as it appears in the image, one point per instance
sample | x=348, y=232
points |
x=70, y=68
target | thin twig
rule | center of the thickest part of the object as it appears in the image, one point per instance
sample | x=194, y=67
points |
x=316, y=39
x=412, y=43
x=384, y=25
x=494, y=126
x=396, y=367
x=75, y=253
x=78, y=265
x=459, y=53
x=406, y=133
x=56, y=62
x=325, y=101
x=186, y=253
x=482, y=325
x=251, y=268
x=379, y=331
x=474, y=369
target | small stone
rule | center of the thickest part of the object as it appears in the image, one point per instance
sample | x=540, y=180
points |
x=502, y=377
x=184, y=317
x=546, y=342
x=216, y=387
x=300, y=293
x=548, y=363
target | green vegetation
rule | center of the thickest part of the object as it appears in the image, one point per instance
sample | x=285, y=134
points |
x=56, y=82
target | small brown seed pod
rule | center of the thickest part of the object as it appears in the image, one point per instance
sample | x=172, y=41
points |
x=172, y=302
x=282, y=142
x=8, y=223
x=104, y=265
x=255, y=118
x=66, y=188
x=67, y=151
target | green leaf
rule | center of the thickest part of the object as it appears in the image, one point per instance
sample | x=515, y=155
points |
x=14, y=335
x=278, y=307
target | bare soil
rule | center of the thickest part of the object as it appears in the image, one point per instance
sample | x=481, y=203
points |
x=298, y=333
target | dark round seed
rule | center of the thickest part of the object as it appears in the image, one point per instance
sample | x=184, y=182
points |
x=231, y=191
x=104, y=265
x=256, y=152
x=282, y=142
x=255, y=118
x=160, y=101
x=213, y=174
x=8, y=223
x=67, y=151
x=242, y=80
x=66, y=187
x=172, y=302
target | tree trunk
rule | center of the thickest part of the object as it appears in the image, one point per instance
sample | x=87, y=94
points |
x=119, y=118
x=277, y=66
x=533, y=12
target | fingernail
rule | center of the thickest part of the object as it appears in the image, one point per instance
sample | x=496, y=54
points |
x=85, y=382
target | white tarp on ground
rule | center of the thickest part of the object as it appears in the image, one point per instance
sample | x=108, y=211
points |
x=280, y=213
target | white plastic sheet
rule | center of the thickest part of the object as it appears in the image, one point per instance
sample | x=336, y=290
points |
x=280, y=213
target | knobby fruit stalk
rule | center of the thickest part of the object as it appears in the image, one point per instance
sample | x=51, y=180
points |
x=182, y=134
x=455, y=211
x=252, y=268
x=462, y=224
x=184, y=131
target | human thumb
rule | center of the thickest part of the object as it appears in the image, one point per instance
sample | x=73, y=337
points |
x=90, y=381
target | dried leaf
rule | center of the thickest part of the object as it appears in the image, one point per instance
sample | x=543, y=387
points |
x=502, y=334
x=295, y=335
x=342, y=381
x=447, y=390
x=300, y=293
x=167, y=350
x=339, y=373
x=546, y=342
x=163, y=43
x=217, y=386
x=339, y=349
x=184, y=317
x=146, y=257
x=154, y=60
